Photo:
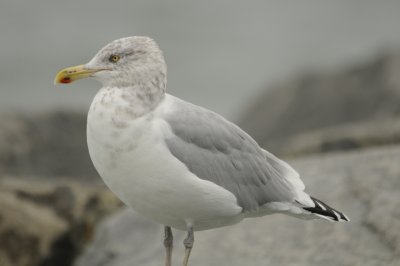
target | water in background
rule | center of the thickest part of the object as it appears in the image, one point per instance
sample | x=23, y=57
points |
x=219, y=53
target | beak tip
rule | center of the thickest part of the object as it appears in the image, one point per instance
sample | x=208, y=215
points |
x=71, y=74
x=64, y=80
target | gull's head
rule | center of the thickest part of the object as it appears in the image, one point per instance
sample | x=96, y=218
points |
x=123, y=62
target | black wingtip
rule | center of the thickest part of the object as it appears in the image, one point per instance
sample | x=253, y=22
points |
x=324, y=211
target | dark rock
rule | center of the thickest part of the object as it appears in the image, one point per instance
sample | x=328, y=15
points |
x=47, y=222
x=13, y=242
x=367, y=93
x=364, y=184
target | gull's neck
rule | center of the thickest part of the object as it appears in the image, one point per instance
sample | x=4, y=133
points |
x=132, y=100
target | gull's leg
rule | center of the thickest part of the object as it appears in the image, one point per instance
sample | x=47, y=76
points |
x=188, y=243
x=168, y=244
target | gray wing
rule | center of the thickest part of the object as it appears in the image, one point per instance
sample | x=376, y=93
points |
x=218, y=151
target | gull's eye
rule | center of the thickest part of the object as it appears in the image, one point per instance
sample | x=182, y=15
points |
x=114, y=58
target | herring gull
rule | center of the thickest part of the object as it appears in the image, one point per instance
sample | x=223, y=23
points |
x=179, y=164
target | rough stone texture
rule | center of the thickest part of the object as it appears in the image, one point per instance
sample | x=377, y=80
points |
x=51, y=144
x=344, y=137
x=368, y=92
x=364, y=184
x=47, y=222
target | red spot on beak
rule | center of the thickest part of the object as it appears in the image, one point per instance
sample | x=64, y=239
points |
x=66, y=80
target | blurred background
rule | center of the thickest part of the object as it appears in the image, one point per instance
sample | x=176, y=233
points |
x=315, y=82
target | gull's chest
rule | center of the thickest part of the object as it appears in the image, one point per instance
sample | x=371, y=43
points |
x=131, y=156
x=116, y=137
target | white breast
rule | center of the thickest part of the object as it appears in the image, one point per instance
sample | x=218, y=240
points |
x=131, y=156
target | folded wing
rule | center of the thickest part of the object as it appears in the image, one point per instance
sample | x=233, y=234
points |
x=216, y=150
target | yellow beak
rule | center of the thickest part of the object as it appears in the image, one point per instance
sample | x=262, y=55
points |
x=70, y=74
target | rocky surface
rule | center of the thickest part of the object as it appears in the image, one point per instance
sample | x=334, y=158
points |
x=364, y=184
x=46, y=222
x=45, y=145
x=344, y=137
x=369, y=93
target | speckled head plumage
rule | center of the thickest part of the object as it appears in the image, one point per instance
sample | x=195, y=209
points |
x=130, y=60
x=123, y=62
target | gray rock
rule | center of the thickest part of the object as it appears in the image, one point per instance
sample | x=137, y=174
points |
x=46, y=222
x=363, y=184
x=344, y=137
x=369, y=92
